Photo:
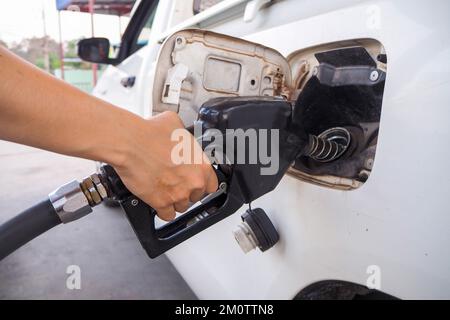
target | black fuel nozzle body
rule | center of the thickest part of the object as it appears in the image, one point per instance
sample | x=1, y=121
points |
x=240, y=182
x=267, y=118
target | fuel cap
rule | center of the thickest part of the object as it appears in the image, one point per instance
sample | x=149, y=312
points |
x=256, y=230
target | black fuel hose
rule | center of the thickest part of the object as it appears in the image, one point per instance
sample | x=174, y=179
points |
x=26, y=226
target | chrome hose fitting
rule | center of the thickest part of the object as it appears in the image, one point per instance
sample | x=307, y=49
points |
x=74, y=200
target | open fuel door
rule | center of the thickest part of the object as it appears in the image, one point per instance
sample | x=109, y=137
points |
x=197, y=65
x=336, y=90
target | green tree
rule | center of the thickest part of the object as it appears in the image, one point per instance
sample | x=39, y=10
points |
x=33, y=50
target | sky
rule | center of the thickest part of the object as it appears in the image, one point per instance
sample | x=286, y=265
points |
x=21, y=19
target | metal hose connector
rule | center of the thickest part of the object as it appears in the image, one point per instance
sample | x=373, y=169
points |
x=74, y=200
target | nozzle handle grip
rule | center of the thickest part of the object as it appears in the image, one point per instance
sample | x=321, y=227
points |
x=143, y=218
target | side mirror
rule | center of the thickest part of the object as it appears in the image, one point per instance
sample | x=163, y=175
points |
x=95, y=50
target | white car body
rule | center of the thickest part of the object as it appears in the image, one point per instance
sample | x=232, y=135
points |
x=396, y=227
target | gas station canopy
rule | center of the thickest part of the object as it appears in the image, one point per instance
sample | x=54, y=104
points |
x=113, y=7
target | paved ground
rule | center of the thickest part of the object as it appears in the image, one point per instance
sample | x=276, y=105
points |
x=113, y=264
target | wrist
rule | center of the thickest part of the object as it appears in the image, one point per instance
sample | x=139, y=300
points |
x=117, y=142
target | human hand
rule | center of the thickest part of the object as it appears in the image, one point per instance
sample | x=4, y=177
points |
x=149, y=172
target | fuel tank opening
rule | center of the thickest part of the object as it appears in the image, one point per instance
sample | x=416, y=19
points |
x=340, y=101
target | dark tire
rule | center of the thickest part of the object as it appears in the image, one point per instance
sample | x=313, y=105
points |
x=340, y=290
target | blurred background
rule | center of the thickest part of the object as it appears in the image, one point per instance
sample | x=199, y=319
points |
x=46, y=32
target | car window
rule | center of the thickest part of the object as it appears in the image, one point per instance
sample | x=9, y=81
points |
x=202, y=5
x=138, y=30
x=142, y=39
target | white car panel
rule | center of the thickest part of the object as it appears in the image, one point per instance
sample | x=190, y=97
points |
x=397, y=220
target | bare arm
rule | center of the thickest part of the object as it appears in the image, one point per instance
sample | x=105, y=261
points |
x=39, y=110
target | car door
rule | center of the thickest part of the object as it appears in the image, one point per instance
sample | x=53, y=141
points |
x=120, y=82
